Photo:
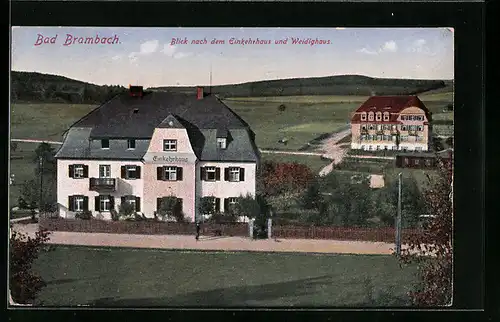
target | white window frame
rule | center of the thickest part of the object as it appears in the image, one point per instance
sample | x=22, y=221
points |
x=371, y=127
x=170, y=145
x=386, y=116
x=234, y=174
x=221, y=143
x=78, y=171
x=363, y=116
x=131, y=201
x=363, y=127
x=104, y=171
x=404, y=128
x=370, y=116
x=170, y=173
x=103, y=201
x=79, y=200
x=210, y=170
x=131, y=146
x=420, y=128
x=378, y=116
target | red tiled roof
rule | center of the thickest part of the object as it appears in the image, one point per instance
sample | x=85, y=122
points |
x=391, y=104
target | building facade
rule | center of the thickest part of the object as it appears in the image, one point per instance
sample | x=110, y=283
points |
x=143, y=146
x=391, y=123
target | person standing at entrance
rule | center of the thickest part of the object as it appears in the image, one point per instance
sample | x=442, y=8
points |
x=197, y=230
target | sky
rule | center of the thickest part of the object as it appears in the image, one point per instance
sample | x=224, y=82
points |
x=147, y=56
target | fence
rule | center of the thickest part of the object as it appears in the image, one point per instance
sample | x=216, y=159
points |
x=141, y=227
x=341, y=233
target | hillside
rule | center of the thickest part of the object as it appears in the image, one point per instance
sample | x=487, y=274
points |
x=331, y=85
x=36, y=87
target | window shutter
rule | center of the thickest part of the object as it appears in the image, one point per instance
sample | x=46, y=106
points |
x=179, y=173
x=202, y=173
x=123, y=171
x=111, y=202
x=137, y=203
x=217, y=174
x=217, y=204
x=85, y=203
x=138, y=172
x=71, y=203
x=226, y=174
x=159, y=173
x=97, y=203
x=226, y=204
x=158, y=202
x=71, y=171
x=242, y=174
x=85, y=171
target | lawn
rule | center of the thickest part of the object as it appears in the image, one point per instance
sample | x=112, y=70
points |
x=313, y=162
x=302, y=121
x=44, y=121
x=134, y=277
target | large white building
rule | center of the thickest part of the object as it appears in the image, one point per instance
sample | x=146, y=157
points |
x=142, y=146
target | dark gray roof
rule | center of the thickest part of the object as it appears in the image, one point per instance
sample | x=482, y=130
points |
x=127, y=117
x=117, y=119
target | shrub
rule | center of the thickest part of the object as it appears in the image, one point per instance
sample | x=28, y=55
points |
x=277, y=178
x=282, y=107
x=24, y=284
x=126, y=209
x=171, y=208
x=115, y=216
x=22, y=203
x=85, y=215
x=311, y=197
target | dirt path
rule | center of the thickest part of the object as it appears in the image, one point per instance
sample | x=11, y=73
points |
x=333, y=150
x=212, y=243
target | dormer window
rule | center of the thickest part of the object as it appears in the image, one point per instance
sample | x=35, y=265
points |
x=104, y=144
x=221, y=143
x=386, y=116
x=131, y=144
x=379, y=116
x=370, y=116
x=170, y=145
x=363, y=116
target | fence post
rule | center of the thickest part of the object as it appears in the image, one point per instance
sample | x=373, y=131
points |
x=250, y=228
x=269, y=228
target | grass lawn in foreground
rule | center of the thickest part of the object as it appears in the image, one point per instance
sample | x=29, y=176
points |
x=135, y=277
x=312, y=161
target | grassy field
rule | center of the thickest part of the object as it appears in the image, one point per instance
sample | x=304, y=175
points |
x=301, y=122
x=313, y=162
x=44, y=121
x=133, y=277
x=22, y=167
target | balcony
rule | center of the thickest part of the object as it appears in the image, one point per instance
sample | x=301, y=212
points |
x=102, y=184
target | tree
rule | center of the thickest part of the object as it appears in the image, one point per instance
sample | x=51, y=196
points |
x=206, y=206
x=24, y=284
x=47, y=153
x=30, y=192
x=13, y=147
x=432, y=250
x=171, y=208
x=126, y=209
x=254, y=208
x=312, y=196
x=276, y=178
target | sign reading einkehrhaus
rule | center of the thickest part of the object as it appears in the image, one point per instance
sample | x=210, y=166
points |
x=169, y=158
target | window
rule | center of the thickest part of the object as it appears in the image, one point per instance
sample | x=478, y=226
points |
x=416, y=161
x=221, y=143
x=379, y=137
x=370, y=147
x=428, y=162
x=171, y=173
x=210, y=173
x=386, y=116
x=169, y=145
x=371, y=127
x=234, y=174
x=379, y=116
x=104, y=203
x=362, y=147
x=104, y=171
x=132, y=200
x=386, y=127
x=421, y=118
x=379, y=127
x=403, y=127
x=394, y=137
x=79, y=203
x=378, y=147
x=420, y=128
x=131, y=144
x=105, y=144
x=363, y=116
x=363, y=127
x=370, y=116
x=418, y=148
x=406, y=161
x=131, y=172
x=79, y=173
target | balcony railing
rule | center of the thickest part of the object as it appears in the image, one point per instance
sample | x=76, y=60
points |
x=100, y=184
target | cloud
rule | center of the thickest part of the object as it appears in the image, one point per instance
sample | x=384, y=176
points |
x=149, y=47
x=366, y=51
x=340, y=28
x=419, y=46
x=389, y=46
x=169, y=50
x=181, y=55
x=117, y=57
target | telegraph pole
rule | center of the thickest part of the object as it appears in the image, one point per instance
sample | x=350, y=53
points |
x=398, y=218
x=41, y=187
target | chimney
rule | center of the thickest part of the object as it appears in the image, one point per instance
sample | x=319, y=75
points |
x=199, y=93
x=135, y=91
